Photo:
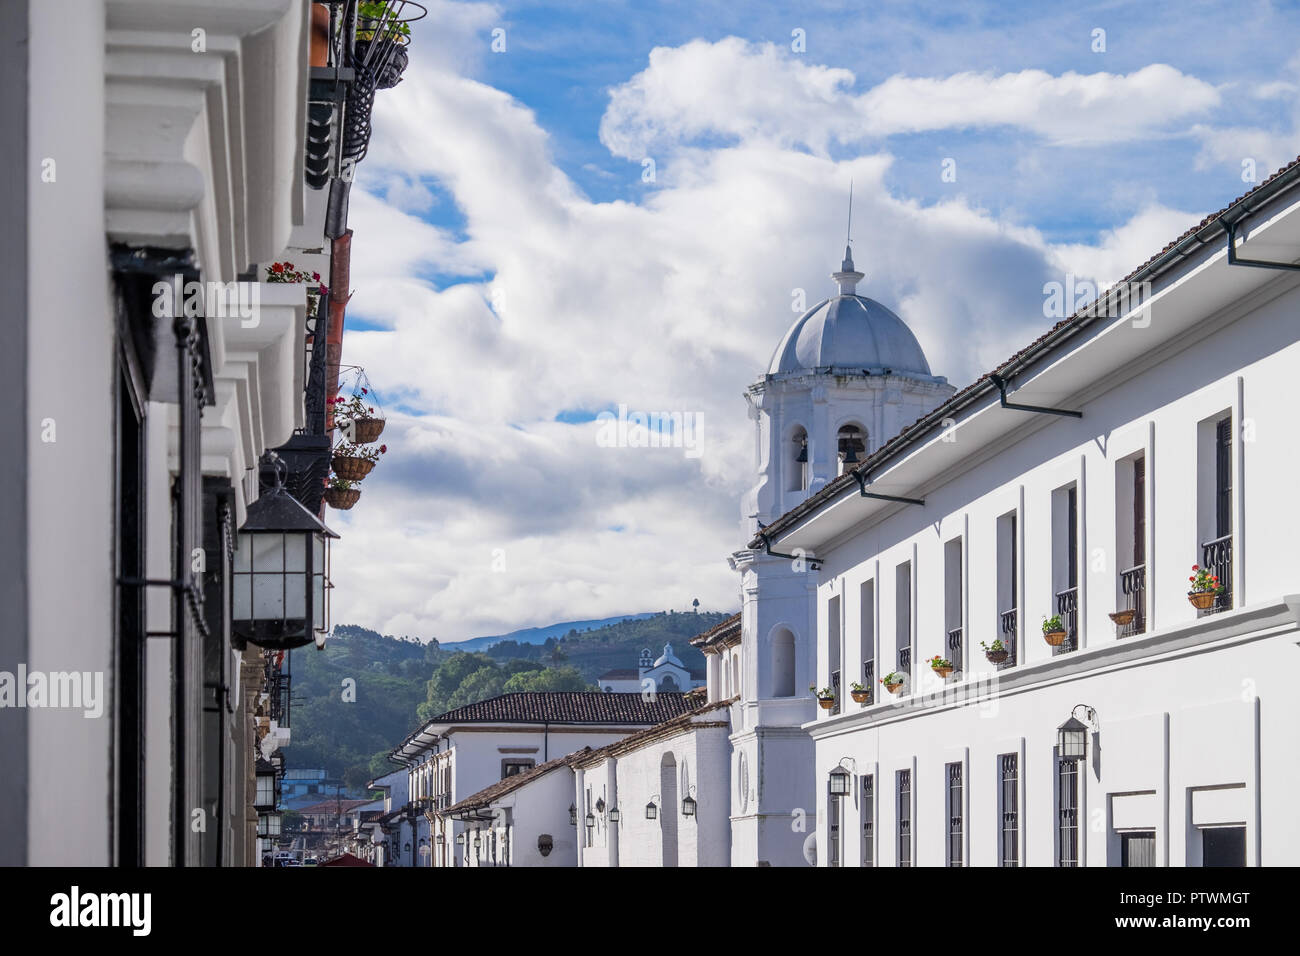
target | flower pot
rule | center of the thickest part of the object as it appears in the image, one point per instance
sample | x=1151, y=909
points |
x=342, y=498
x=1202, y=600
x=1123, y=618
x=320, y=34
x=942, y=671
x=826, y=702
x=860, y=696
x=1055, y=638
x=351, y=469
x=366, y=430
x=894, y=688
x=997, y=657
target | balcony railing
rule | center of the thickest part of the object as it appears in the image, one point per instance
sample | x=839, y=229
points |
x=1009, y=632
x=1067, y=606
x=905, y=664
x=1216, y=557
x=835, y=688
x=955, y=649
x=869, y=680
x=1133, y=585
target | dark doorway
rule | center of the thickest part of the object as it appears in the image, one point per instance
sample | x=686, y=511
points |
x=1223, y=846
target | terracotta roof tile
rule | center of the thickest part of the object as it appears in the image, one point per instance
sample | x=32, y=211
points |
x=568, y=707
x=489, y=795
x=720, y=632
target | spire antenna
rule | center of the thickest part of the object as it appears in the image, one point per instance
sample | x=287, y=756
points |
x=848, y=276
x=848, y=232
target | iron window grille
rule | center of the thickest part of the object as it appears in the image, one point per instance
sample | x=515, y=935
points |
x=955, y=650
x=1067, y=606
x=1133, y=584
x=869, y=680
x=1067, y=821
x=869, y=820
x=904, y=818
x=1009, y=776
x=1009, y=632
x=955, y=821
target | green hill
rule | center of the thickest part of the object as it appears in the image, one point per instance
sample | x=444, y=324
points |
x=356, y=699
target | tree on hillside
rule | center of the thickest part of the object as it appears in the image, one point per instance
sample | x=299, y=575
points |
x=550, y=679
x=483, y=683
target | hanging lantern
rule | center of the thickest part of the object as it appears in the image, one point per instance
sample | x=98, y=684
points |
x=281, y=573
x=839, y=782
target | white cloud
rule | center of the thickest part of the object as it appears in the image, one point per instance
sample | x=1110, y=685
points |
x=744, y=91
x=672, y=304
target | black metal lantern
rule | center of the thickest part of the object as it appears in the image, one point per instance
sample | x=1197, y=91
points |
x=688, y=807
x=406, y=848
x=573, y=815
x=1072, y=736
x=281, y=573
x=591, y=819
x=600, y=804
x=613, y=814
x=267, y=778
x=478, y=840
x=268, y=824
x=544, y=844
x=440, y=839
x=839, y=782
x=460, y=839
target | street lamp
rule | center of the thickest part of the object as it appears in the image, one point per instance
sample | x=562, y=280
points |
x=573, y=815
x=839, y=782
x=1072, y=736
x=281, y=572
x=652, y=808
x=613, y=814
x=688, y=803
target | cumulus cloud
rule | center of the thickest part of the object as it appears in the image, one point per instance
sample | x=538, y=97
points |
x=497, y=506
x=742, y=91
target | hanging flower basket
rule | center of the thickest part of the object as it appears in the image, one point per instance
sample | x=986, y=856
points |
x=859, y=693
x=351, y=467
x=893, y=682
x=356, y=419
x=997, y=652
x=1205, y=588
x=1054, y=631
x=941, y=666
x=365, y=430
x=378, y=26
x=826, y=699
x=342, y=498
x=1123, y=618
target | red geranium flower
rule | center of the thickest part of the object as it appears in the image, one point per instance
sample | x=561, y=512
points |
x=383, y=449
x=277, y=267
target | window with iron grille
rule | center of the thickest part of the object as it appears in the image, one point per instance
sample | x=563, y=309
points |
x=1223, y=476
x=834, y=649
x=955, y=838
x=903, y=616
x=1067, y=819
x=1009, y=805
x=904, y=818
x=869, y=820
x=834, y=819
x=867, y=623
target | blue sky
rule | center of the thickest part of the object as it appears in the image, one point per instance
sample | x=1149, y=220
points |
x=514, y=274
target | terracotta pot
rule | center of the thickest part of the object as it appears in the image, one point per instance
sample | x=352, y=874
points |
x=366, y=430
x=342, y=498
x=942, y=671
x=351, y=469
x=826, y=702
x=997, y=657
x=860, y=696
x=1123, y=618
x=1055, y=638
x=320, y=34
x=894, y=688
x=1202, y=600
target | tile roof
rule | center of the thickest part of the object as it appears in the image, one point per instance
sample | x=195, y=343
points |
x=721, y=633
x=927, y=423
x=489, y=795
x=621, y=673
x=669, y=728
x=568, y=707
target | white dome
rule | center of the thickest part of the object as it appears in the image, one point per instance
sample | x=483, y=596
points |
x=668, y=657
x=850, y=331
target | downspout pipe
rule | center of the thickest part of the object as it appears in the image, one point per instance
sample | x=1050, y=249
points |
x=813, y=563
x=862, y=490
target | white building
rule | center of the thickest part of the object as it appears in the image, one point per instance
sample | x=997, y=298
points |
x=1083, y=478
x=665, y=674
x=462, y=752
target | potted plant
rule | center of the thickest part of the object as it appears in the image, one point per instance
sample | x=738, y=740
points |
x=941, y=665
x=378, y=26
x=1054, y=631
x=893, y=682
x=341, y=493
x=826, y=697
x=1205, y=588
x=285, y=272
x=859, y=693
x=357, y=419
x=1123, y=618
x=353, y=461
x=997, y=652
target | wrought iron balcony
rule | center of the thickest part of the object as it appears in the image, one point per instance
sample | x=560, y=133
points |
x=905, y=664
x=1067, y=607
x=1010, y=630
x=835, y=687
x=955, y=649
x=1133, y=585
x=1216, y=557
x=869, y=680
